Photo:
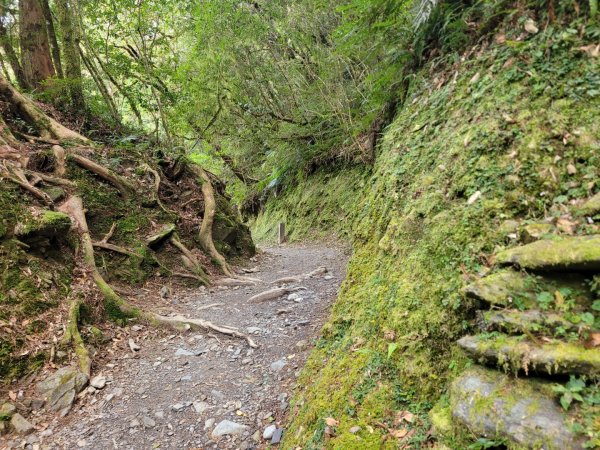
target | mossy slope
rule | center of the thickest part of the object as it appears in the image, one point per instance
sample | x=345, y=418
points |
x=487, y=139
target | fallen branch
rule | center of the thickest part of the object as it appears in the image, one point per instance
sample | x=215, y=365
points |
x=110, y=232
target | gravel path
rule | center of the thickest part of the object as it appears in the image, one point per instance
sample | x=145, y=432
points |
x=178, y=390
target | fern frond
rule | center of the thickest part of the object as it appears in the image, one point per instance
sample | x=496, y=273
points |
x=423, y=11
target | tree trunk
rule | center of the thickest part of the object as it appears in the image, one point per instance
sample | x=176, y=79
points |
x=70, y=41
x=46, y=126
x=35, y=49
x=52, y=38
x=12, y=58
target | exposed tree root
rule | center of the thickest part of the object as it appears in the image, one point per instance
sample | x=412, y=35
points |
x=61, y=160
x=205, y=235
x=182, y=323
x=189, y=275
x=74, y=208
x=273, y=294
x=157, y=180
x=73, y=336
x=116, y=249
x=50, y=179
x=17, y=176
x=288, y=280
x=236, y=282
x=125, y=187
x=189, y=260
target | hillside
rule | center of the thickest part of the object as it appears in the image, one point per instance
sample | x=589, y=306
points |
x=494, y=148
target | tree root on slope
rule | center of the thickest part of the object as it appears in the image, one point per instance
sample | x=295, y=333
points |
x=74, y=208
x=73, y=336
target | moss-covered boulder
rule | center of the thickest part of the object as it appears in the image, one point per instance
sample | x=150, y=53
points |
x=579, y=253
x=514, y=321
x=497, y=406
x=591, y=207
x=534, y=231
x=516, y=353
x=42, y=223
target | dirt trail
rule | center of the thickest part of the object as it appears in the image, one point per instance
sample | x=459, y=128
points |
x=173, y=392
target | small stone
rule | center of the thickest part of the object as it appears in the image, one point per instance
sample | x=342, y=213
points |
x=227, y=427
x=254, y=330
x=531, y=27
x=133, y=346
x=328, y=277
x=184, y=352
x=8, y=409
x=473, y=198
x=200, y=407
x=571, y=169
x=178, y=407
x=278, y=365
x=20, y=424
x=98, y=382
x=134, y=423
x=148, y=422
x=354, y=429
x=81, y=443
x=276, y=439
x=269, y=431
x=302, y=344
x=208, y=423
x=293, y=296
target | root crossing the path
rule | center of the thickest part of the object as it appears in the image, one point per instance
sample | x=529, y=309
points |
x=174, y=391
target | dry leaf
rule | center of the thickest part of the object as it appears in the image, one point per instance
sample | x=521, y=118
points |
x=593, y=341
x=592, y=50
x=399, y=434
x=12, y=395
x=508, y=119
x=475, y=78
x=571, y=169
x=331, y=422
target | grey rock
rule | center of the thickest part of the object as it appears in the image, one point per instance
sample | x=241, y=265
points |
x=184, y=352
x=354, y=429
x=148, y=422
x=495, y=405
x=61, y=388
x=20, y=424
x=178, y=407
x=227, y=427
x=200, y=407
x=98, y=382
x=277, y=435
x=278, y=365
x=208, y=423
x=269, y=431
x=7, y=409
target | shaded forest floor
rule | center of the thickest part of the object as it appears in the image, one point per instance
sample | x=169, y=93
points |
x=178, y=388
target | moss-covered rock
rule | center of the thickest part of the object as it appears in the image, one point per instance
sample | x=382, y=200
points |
x=514, y=321
x=579, y=253
x=591, y=207
x=497, y=406
x=535, y=231
x=42, y=223
x=518, y=353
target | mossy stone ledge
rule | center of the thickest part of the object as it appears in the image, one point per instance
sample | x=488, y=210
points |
x=578, y=253
x=42, y=223
x=515, y=321
x=516, y=353
x=591, y=207
x=497, y=406
x=502, y=287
